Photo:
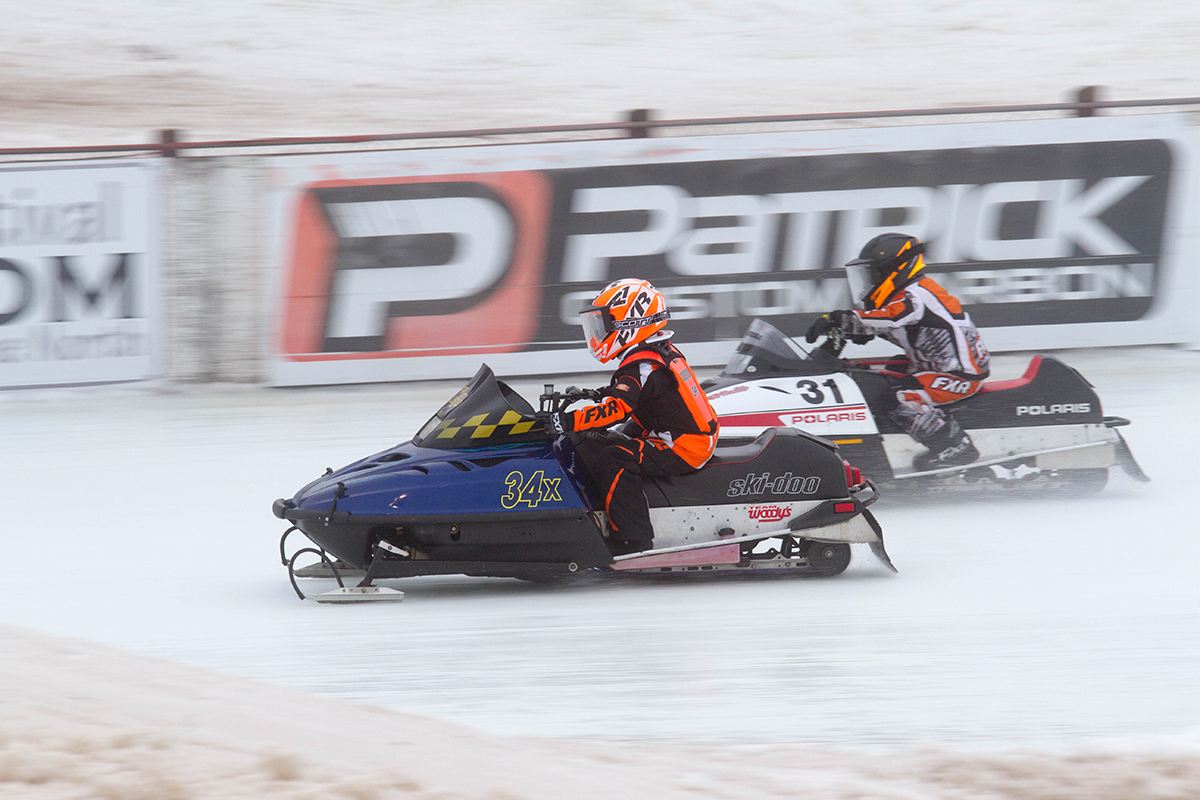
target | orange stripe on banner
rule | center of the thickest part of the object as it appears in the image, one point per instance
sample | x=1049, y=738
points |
x=505, y=321
x=310, y=273
x=509, y=314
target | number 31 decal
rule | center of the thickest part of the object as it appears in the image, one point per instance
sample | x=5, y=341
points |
x=813, y=394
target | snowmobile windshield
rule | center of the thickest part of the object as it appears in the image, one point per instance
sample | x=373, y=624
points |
x=858, y=276
x=484, y=413
x=764, y=349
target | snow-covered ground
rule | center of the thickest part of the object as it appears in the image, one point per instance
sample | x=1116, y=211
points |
x=1025, y=649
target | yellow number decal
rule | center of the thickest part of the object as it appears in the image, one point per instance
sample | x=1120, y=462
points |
x=537, y=489
x=531, y=491
x=513, y=481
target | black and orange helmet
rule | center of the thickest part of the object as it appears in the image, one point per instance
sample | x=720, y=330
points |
x=887, y=264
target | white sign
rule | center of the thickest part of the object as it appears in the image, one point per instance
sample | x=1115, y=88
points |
x=1054, y=233
x=78, y=267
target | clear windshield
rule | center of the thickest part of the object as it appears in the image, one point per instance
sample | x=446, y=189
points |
x=764, y=348
x=484, y=413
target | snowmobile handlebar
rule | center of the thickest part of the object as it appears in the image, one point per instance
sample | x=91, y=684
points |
x=551, y=402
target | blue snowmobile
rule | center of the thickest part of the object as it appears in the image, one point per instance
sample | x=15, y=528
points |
x=483, y=489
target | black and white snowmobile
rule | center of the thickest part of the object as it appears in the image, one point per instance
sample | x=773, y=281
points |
x=1044, y=430
x=484, y=490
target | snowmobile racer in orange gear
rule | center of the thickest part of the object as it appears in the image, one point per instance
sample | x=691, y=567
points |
x=946, y=358
x=669, y=427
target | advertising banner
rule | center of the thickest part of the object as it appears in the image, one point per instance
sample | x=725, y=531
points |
x=1054, y=233
x=78, y=261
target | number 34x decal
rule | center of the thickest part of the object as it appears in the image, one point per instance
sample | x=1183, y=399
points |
x=538, y=489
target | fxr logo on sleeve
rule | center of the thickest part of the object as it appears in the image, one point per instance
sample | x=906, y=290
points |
x=416, y=266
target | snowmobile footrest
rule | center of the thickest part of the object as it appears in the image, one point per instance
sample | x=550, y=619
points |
x=411, y=568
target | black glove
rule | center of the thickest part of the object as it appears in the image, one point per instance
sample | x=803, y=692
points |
x=574, y=394
x=819, y=328
x=558, y=423
x=846, y=321
x=851, y=325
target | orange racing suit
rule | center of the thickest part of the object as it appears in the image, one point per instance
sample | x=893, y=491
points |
x=671, y=429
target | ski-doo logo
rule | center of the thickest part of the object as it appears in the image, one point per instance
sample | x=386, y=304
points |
x=953, y=385
x=769, y=513
x=416, y=266
x=1063, y=408
x=764, y=484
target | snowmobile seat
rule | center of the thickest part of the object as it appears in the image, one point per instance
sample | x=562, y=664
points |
x=741, y=451
x=780, y=452
x=1049, y=393
x=1031, y=372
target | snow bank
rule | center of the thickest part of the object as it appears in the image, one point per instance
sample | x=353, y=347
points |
x=79, y=72
x=84, y=720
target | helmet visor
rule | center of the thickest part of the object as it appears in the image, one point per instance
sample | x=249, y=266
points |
x=861, y=281
x=596, y=325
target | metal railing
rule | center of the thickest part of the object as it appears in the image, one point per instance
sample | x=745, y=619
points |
x=638, y=124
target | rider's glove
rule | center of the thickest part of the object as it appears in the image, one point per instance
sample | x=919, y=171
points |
x=851, y=325
x=819, y=328
x=846, y=321
x=559, y=423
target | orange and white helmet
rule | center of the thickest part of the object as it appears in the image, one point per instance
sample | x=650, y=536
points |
x=625, y=313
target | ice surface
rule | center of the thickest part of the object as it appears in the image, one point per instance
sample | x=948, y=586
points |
x=141, y=518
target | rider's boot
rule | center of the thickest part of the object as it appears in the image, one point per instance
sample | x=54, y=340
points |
x=950, y=446
x=625, y=547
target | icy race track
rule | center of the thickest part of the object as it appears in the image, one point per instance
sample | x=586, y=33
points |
x=141, y=518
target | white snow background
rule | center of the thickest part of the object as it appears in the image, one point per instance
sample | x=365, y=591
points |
x=1027, y=650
